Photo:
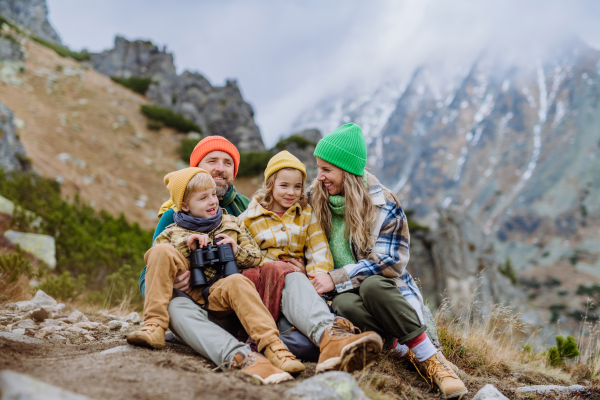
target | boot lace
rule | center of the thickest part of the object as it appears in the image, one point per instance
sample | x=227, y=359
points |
x=433, y=367
x=342, y=329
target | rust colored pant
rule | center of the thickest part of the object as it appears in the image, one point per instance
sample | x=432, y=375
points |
x=234, y=293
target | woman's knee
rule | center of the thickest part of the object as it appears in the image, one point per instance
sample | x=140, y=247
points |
x=375, y=287
x=346, y=304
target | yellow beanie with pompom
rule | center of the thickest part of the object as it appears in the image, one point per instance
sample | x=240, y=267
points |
x=283, y=159
x=177, y=183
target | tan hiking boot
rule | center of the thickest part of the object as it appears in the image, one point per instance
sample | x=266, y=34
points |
x=282, y=358
x=435, y=370
x=151, y=335
x=344, y=350
x=256, y=365
x=448, y=363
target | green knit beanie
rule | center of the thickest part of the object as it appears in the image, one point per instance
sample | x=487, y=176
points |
x=345, y=148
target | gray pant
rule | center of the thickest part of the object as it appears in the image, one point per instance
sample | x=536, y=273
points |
x=300, y=303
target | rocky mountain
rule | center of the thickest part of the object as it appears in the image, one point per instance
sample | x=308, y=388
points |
x=31, y=14
x=513, y=145
x=217, y=110
x=12, y=152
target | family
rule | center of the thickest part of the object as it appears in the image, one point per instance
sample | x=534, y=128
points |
x=330, y=260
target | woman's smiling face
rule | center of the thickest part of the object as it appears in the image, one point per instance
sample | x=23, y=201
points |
x=330, y=176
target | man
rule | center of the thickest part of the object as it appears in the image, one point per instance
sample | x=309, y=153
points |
x=210, y=336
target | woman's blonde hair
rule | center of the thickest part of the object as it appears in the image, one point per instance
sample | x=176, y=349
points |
x=198, y=183
x=264, y=195
x=360, y=213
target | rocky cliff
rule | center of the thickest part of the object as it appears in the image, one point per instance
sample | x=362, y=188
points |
x=12, y=152
x=31, y=14
x=217, y=110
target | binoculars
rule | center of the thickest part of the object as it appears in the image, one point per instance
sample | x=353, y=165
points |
x=220, y=257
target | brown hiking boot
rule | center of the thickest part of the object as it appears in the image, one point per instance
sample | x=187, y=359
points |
x=448, y=363
x=256, y=365
x=435, y=370
x=282, y=358
x=151, y=335
x=344, y=350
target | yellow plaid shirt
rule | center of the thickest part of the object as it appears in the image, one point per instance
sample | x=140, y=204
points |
x=295, y=235
x=248, y=254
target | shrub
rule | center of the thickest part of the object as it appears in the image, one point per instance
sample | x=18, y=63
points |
x=121, y=285
x=254, y=162
x=12, y=266
x=186, y=147
x=564, y=349
x=414, y=226
x=64, y=51
x=155, y=125
x=170, y=118
x=300, y=141
x=135, y=83
x=87, y=242
x=63, y=286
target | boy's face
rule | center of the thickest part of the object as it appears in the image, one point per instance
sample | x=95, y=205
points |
x=204, y=204
x=287, y=189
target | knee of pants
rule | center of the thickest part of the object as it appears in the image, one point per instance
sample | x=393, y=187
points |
x=159, y=249
x=372, y=287
x=180, y=309
x=346, y=304
x=292, y=276
x=237, y=282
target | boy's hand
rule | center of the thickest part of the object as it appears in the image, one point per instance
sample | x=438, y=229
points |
x=200, y=238
x=298, y=265
x=323, y=283
x=227, y=240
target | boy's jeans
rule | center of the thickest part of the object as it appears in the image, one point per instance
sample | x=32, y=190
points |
x=233, y=293
x=300, y=303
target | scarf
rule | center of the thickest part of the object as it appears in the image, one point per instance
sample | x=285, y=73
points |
x=201, y=225
x=229, y=203
x=338, y=241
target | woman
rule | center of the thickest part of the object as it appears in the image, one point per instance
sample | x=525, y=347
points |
x=368, y=236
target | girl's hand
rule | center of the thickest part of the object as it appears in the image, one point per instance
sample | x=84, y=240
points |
x=227, y=240
x=298, y=265
x=182, y=282
x=200, y=238
x=323, y=283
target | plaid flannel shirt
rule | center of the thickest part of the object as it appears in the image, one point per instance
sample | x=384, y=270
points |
x=295, y=235
x=390, y=251
x=248, y=254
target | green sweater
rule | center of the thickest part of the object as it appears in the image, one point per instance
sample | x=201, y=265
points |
x=338, y=240
x=233, y=202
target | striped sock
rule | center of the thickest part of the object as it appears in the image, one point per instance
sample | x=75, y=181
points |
x=422, y=347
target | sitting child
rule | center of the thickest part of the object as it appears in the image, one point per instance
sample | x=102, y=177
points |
x=201, y=220
x=285, y=228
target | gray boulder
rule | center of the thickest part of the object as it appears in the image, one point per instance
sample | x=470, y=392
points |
x=489, y=392
x=32, y=15
x=12, y=152
x=41, y=246
x=17, y=337
x=550, y=389
x=332, y=385
x=15, y=386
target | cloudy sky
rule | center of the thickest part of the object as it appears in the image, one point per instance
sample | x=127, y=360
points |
x=287, y=55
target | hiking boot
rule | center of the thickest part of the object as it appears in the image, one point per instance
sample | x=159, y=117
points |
x=411, y=357
x=151, y=335
x=344, y=348
x=256, y=365
x=282, y=358
x=435, y=370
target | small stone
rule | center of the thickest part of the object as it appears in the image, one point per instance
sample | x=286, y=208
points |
x=132, y=318
x=107, y=314
x=124, y=327
x=11, y=306
x=333, y=385
x=18, y=386
x=45, y=331
x=89, y=338
x=489, y=392
x=41, y=314
x=87, y=325
x=103, y=329
x=18, y=331
x=77, y=331
x=42, y=299
x=58, y=337
x=543, y=389
x=19, y=337
x=122, y=349
x=76, y=316
x=59, y=306
x=24, y=306
x=25, y=324
x=115, y=324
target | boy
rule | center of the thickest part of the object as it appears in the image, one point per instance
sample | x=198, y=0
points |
x=200, y=221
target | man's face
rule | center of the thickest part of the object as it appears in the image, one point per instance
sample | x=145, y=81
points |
x=220, y=166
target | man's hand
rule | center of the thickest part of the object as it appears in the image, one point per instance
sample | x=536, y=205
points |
x=182, y=282
x=323, y=283
x=298, y=265
x=227, y=240
x=200, y=238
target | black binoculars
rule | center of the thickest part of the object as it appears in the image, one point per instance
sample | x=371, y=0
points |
x=220, y=257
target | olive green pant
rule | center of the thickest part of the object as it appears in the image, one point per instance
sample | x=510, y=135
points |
x=378, y=305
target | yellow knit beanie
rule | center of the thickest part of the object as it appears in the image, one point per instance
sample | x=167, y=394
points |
x=177, y=182
x=283, y=159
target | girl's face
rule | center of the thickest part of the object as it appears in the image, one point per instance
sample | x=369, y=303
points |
x=330, y=176
x=204, y=204
x=287, y=189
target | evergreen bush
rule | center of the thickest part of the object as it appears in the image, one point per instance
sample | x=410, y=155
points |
x=155, y=125
x=564, y=349
x=135, y=83
x=12, y=266
x=300, y=141
x=170, y=118
x=186, y=147
x=64, y=51
x=254, y=163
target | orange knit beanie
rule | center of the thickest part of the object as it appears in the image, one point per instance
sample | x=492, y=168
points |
x=215, y=143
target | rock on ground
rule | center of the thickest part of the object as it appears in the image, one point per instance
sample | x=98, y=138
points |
x=489, y=392
x=15, y=386
x=42, y=299
x=41, y=246
x=332, y=385
x=544, y=389
x=77, y=316
x=122, y=349
x=41, y=314
x=20, y=337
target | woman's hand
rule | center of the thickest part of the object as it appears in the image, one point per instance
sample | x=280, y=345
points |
x=227, y=240
x=298, y=265
x=182, y=282
x=323, y=283
x=201, y=239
